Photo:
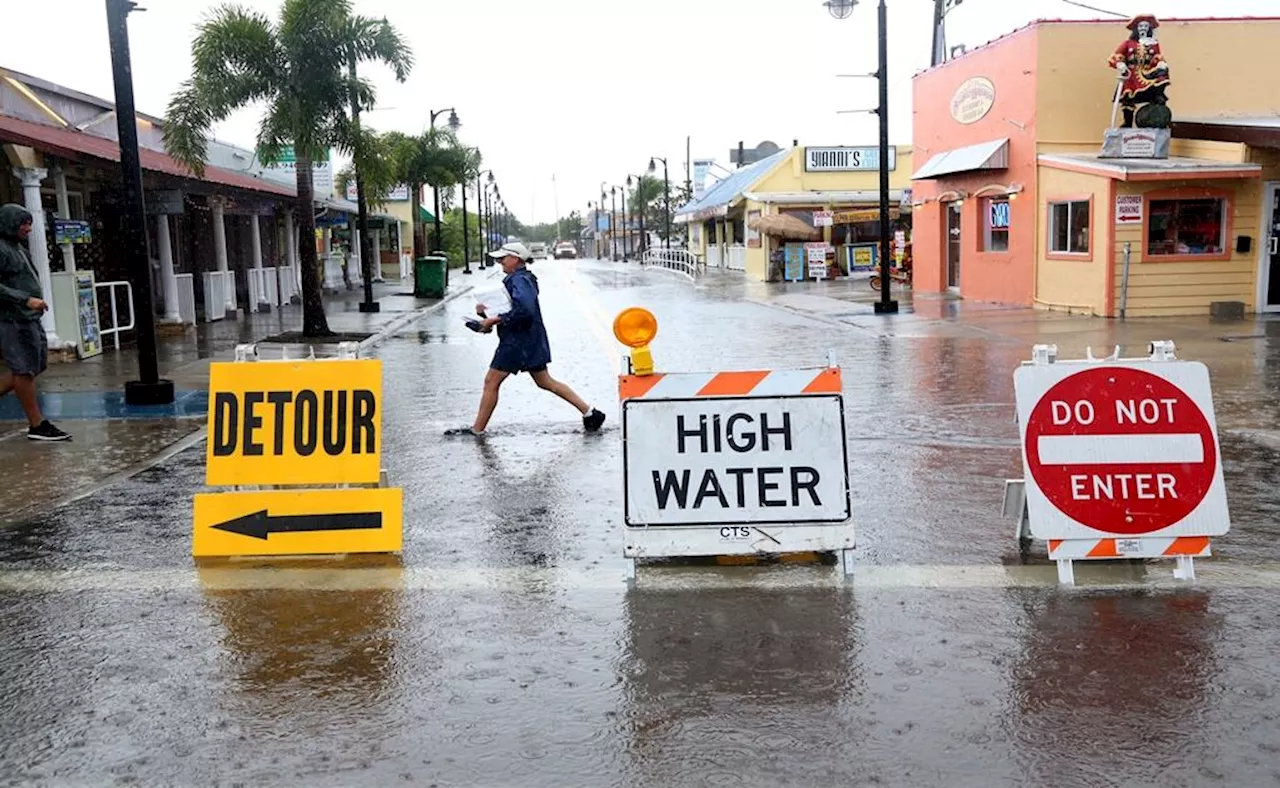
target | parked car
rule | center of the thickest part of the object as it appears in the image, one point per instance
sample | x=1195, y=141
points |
x=539, y=251
x=565, y=251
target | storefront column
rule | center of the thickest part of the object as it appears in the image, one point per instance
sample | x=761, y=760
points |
x=256, y=234
x=290, y=240
x=219, y=234
x=38, y=245
x=64, y=212
x=167, y=277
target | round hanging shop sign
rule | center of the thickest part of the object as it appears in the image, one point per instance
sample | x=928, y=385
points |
x=972, y=100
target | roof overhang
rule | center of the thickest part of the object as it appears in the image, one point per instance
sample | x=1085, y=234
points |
x=75, y=144
x=989, y=155
x=1259, y=132
x=1174, y=168
x=714, y=212
x=821, y=197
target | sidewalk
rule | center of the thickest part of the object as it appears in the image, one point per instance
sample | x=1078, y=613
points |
x=110, y=438
x=850, y=304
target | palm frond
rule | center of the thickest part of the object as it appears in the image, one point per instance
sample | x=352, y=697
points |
x=186, y=128
x=236, y=59
x=375, y=40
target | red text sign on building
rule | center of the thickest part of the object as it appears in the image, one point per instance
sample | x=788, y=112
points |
x=1120, y=449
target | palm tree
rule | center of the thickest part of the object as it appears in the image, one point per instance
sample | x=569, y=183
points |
x=298, y=67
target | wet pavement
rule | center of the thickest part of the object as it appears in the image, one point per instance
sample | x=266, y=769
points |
x=504, y=649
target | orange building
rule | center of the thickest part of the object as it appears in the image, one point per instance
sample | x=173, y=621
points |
x=1013, y=203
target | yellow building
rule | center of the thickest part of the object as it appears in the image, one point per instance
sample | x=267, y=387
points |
x=1192, y=233
x=807, y=183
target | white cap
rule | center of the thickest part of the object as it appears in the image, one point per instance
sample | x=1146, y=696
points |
x=513, y=249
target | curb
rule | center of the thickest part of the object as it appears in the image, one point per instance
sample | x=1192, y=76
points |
x=409, y=318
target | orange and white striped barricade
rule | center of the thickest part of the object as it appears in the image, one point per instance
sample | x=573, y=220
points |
x=735, y=463
x=1121, y=459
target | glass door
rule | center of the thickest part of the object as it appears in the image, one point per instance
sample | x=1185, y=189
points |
x=953, y=246
x=1271, y=254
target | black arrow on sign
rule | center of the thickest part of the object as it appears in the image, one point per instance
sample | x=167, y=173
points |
x=260, y=525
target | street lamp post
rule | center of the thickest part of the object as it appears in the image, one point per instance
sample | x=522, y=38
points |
x=666, y=196
x=466, y=241
x=149, y=389
x=841, y=9
x=454, y=124
x=640, y=209
x=626, y=226
x=365, y=247
x=613, y=221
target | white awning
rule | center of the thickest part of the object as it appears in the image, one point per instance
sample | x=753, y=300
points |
x=991, y=155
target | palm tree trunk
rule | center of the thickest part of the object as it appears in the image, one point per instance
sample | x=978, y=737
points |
x=415, y=220
x=314, y=323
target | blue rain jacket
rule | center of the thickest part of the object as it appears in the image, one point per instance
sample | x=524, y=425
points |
x=522, y=338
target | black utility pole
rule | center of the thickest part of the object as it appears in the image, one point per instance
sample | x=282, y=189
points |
x=149, y=389
x=362, y=208
x=886, y=305
x=626, y=227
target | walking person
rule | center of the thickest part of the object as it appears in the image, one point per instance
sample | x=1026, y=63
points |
x=24, y=351
x=522, y=344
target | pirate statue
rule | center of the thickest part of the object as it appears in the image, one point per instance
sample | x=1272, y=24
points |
x=1144, y=75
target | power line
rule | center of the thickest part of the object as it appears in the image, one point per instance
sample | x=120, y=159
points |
x=1093, y=8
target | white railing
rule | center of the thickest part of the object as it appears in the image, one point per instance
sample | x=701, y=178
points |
x=287, y=281
x=736, y=259
x=115, y=328
x=713, y=257
x=263, y=288
x=406, y=267
x=333, y=271
x=186, y=298
x=219, y=289
x=681, y=261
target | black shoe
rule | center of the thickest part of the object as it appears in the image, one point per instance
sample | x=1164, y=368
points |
x=593, y=421
x=463, y=432
x=47, y=432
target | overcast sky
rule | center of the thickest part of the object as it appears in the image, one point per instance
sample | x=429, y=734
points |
x=587, y=90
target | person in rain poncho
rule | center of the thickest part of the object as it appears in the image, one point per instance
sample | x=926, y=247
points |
x=24, y=350
x=522, y=344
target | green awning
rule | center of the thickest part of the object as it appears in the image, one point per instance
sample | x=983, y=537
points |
x=424, y=215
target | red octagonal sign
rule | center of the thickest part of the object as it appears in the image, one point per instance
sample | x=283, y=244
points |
x=1120, y=450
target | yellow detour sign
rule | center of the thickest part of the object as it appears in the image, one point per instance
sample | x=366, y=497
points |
x=298, y=522
x=309, y=422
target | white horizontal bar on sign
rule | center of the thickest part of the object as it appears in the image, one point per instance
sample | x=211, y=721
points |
x=1120, y=449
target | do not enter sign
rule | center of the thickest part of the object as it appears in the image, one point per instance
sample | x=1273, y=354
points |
x=1120, y=450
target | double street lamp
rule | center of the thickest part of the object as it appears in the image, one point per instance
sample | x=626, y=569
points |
x=454, y=124
x=483, y=217
x=640, y=209
x=666, y=195
x=842, y=9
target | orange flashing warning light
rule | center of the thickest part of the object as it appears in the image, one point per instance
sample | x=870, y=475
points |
x=636, y=327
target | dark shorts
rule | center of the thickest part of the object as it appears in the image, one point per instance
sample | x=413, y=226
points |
x=494, y=365
x=23, y=347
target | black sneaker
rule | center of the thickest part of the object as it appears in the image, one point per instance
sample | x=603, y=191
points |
x=463, y=432
x=47, y=432
x=593, y=421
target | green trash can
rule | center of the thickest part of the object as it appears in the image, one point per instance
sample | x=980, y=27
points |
x=430, y=276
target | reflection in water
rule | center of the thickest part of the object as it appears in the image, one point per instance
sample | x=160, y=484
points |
x=314, y=658
x=1119, y=679
x=719, y=681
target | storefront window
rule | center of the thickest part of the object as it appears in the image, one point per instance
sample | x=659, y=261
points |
x=997, y=225
x=1069, y=227
x=1186, y=227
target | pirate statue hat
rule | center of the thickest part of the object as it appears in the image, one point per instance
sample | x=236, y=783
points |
x=1150, y=19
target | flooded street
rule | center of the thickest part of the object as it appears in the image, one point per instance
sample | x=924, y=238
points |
x=504, y=648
